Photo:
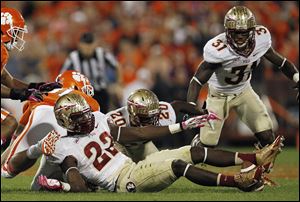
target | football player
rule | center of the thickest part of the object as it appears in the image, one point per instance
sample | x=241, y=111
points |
x=229, y=59
x=13, y=29
x=143, y=109
x=87, y=155
x=38, y=119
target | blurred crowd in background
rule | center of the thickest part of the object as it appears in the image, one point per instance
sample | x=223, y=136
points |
x=159, y=45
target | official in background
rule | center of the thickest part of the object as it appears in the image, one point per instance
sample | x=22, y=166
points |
x=97, y=64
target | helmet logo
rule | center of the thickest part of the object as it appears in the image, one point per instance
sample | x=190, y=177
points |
x=78, y=77
x=6, y=18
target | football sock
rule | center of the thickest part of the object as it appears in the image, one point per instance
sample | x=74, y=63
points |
x=226, y=180
x=212, y=157
x=240, y=158
x=201, y=176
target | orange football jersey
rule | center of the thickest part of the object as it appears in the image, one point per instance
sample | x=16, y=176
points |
x=50, y=99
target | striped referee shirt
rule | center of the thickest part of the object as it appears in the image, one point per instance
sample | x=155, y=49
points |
x=95, y=68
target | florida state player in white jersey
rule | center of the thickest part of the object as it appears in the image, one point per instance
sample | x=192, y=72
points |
x=143, y=108
x=87, y=155
x=229, y=59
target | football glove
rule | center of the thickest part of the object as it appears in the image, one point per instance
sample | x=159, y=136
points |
x=26, y=94
x=53, y=184
x=45, y=87
x=198, y=121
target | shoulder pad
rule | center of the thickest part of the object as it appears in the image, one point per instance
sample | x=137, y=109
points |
x=263, y=37
x=215, y=50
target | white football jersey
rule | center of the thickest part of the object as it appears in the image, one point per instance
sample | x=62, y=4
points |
x=99, y=162
x=236, y=70
x=121, y=116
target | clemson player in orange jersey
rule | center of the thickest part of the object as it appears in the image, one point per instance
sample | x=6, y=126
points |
x=38, y=120
x=13, y=29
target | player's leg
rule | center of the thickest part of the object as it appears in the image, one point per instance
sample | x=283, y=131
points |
x=250, y=178
x=210, y=137
x=5, y=154
x=263, y=157
x=253, y=113
x=141, y=151
x=8, y=126
x=147, y=176
x=27, y=147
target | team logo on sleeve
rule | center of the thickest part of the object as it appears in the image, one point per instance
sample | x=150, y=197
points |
x=130, y=187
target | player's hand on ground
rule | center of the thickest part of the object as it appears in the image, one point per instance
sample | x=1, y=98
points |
x=50, y=184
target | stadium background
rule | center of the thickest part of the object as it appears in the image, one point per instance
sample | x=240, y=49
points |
x=165, y=41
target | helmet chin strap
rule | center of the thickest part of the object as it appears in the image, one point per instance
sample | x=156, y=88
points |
x=9, y=45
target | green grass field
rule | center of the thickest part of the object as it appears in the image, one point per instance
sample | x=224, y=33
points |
x=285, y=173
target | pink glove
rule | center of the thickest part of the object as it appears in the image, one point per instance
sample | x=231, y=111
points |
x=194, y=122
x=50, y=184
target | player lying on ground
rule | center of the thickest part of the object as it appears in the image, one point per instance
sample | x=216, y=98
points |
x=38, y=119
x=88, y=157
x=143, y=109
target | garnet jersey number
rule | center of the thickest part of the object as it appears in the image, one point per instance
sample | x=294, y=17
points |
x=104, y=151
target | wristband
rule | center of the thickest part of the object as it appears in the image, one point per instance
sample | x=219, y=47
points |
x=175, y=128
x=65, y=186
x=296, y=77
x=283, y=62
x=70, y=169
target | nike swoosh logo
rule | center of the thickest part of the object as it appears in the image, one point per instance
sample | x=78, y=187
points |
x=255, y=54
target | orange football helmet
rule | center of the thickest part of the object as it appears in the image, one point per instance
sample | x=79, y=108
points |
x=75, y=80
x=13, y=29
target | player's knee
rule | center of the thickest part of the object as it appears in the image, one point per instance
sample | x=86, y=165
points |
x=178, y=167
x=265, y=137
x=208, y=142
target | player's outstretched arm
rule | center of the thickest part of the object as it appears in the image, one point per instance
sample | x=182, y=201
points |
x=133, y=134
x=286, y=66
x=202, y=75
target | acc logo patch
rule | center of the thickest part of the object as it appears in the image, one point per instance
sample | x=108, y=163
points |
x=130, y=187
